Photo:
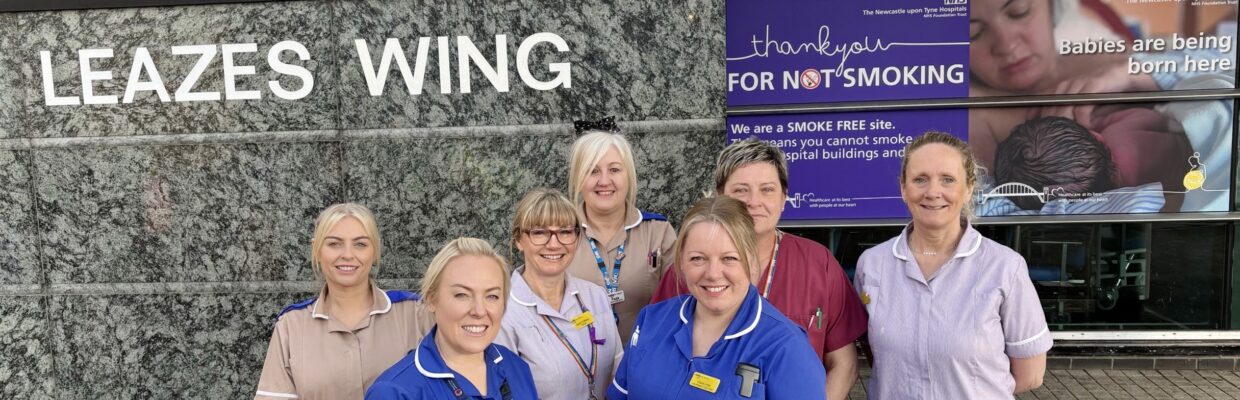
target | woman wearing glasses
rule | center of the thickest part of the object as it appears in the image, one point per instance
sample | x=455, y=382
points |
x=622, y=248
x=559, y=324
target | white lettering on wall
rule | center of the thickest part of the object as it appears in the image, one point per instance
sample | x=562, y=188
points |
x=142, y=62
x=468, y=56
x=232, y=71
x=466, y=53
x=563, y=71
x=89, y=76
x=49, y=84
x=144, y=75
x=307, y=79
x=206, y=52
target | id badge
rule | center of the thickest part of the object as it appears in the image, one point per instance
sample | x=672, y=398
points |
x=616, y=296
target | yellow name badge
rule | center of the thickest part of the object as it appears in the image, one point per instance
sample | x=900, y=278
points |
x=583, y=319
x=704, y=382
x=865, y=298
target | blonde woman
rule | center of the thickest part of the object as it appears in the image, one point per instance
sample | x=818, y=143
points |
x=334, y=345
x=465, y=287
x=558, y=323
x=622, y=249
x=722, y=340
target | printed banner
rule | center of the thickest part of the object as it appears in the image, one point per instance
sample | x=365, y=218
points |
x=845, y=165
x=1085, y=159
x=800, y=51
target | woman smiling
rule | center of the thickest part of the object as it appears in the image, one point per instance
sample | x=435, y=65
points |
x=556, y=322
x=723, y=340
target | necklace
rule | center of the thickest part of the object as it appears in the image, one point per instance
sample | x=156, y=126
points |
x=929, y=253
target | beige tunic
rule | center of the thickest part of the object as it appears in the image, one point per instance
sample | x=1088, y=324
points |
x=646, y=256
x=313, y=356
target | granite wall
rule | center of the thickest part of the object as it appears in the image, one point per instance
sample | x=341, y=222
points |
x=145, y=247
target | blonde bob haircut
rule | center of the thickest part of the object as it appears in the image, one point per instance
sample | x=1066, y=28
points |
x=729, y=214
x=462, y=246
x=588, y=150
x=539, y=208
x=328, y=219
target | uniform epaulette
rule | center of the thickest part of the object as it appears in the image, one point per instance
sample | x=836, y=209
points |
x=297, y=306
x=653, y=216
x=397, y=296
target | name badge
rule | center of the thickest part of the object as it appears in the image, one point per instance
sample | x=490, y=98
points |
x=583, y=319
x=705, y=382
x=616, y=296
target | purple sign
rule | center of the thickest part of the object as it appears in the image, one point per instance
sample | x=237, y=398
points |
x=1132, y=158
x=846, y=165
x=813, y=51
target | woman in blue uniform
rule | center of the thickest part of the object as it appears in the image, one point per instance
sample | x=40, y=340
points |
x=466, y=287
x=722, y=340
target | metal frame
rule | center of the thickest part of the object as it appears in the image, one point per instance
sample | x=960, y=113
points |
x=1132, y=336
x=1027, y=220
x=1005, y=101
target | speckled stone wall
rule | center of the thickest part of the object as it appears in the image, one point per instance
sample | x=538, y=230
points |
x=146, y=247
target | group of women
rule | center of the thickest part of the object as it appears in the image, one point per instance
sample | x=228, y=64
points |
x=611, y=302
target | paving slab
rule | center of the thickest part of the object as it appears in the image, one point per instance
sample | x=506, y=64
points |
x=1091, y=384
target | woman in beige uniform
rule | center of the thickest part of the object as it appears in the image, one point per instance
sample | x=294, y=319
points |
x=621, y=248
x=334, y=345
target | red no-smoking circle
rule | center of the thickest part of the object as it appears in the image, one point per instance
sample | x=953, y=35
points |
x=810, y=79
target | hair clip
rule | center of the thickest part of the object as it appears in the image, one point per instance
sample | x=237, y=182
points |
x=605, y=124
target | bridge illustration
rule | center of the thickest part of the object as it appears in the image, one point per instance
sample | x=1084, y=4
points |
x=1014, y=189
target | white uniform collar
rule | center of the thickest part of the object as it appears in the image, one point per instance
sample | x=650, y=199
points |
x=748, y=315
x=380, y=304
x=523, y=295
x=431, y=364
x=969, y=242
x=632, y=217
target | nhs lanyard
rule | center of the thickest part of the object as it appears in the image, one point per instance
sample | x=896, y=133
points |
x=611, y=283
x=504, y=392
x=770, y=269
x=589, y=370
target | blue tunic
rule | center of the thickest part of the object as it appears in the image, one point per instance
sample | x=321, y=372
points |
x=422, y=374
x=659, y=362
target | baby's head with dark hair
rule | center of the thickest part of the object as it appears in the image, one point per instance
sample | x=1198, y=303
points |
x=1050, y=152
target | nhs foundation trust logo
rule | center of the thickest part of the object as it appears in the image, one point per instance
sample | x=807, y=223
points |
x=955, y=2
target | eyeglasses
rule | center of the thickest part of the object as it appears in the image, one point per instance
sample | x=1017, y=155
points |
x=541, y=236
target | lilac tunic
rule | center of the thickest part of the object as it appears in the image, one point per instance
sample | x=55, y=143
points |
x=556, y=372
x=949, y=337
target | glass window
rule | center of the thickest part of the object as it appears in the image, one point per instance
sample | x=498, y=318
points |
x=1108, y=276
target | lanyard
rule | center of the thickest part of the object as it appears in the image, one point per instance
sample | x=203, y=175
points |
x=770, y=269
x=612, y=283
x=504, y=392
x=590, y=370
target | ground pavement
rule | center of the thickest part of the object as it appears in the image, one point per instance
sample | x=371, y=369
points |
x=1090, y=384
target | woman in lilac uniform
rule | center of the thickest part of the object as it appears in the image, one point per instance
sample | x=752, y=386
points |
x=953, y=315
